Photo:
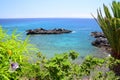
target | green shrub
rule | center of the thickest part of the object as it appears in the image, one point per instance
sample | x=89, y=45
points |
x=16, y=63
x=13, y=62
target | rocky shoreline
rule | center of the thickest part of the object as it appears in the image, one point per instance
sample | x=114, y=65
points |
x=101, y=41
x=44, y=31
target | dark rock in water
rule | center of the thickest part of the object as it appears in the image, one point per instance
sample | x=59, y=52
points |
x=97, y=34
x=100, y=41
x=43, y=31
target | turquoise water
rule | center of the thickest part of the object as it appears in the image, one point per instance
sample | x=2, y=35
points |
x=79, y=40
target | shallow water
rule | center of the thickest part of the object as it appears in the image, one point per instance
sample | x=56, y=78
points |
x=79, y=40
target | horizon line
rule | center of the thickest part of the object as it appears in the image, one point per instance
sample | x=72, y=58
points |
x=47, y=17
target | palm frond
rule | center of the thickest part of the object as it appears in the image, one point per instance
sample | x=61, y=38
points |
x=110, y=25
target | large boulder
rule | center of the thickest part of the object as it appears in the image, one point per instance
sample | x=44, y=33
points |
x=44, y=31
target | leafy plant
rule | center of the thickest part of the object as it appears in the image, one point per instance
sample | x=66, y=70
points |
x=60, y=66
x=13, y=61
x=110, y=75
x=18, y=63
x=89, y=64
x=73, y=55
x=110, y=25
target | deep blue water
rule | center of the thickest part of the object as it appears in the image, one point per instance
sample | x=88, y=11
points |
x=79, y=40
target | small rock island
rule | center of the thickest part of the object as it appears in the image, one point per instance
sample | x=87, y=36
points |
x=44, y=31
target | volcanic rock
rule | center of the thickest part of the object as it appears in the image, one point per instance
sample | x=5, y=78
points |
x=100, y=41
x=44, y=31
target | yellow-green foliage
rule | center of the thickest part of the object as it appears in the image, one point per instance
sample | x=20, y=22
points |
x=12, y=52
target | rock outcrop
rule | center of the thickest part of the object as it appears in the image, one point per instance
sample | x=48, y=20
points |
x=97, y=34
x=44, y=31
x=100, y=41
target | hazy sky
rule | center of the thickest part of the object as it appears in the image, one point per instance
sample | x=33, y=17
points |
x=50, y=8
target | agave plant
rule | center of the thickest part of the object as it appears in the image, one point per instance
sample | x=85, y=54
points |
x=110, y=25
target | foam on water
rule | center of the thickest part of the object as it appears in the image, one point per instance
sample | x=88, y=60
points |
x=73, y=31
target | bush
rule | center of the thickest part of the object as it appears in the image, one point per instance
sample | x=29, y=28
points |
x=16, y=63
x=13, y=62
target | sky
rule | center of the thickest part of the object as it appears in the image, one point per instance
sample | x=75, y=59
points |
x=50, y=8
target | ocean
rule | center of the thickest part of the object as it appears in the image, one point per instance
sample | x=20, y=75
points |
x=79, y=40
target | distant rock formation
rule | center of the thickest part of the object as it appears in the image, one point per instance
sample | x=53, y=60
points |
x=44, y=31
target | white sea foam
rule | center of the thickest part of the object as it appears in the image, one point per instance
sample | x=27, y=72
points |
x=73, y=31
